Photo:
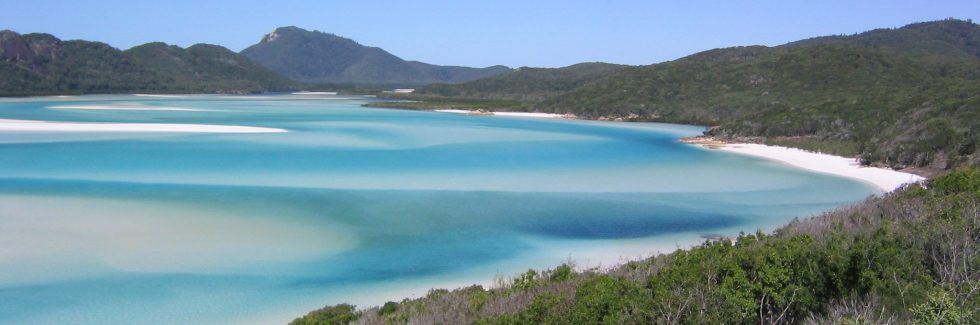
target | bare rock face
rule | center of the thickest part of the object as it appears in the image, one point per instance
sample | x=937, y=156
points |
x=13, y=48
x=30, y=52
x=44, y=46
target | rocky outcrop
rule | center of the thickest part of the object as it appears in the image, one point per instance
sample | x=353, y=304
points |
x=28, y=52
x=13, y=48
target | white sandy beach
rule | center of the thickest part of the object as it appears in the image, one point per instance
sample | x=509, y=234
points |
x=45, y=126
x=885, y=179
x=511, y=114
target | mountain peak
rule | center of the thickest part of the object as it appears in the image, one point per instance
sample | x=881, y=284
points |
x=315, y=56
x=303, y=34
x=278, y=32
x=290, y=29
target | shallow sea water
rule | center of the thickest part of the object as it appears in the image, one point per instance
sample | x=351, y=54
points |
x=351, y=204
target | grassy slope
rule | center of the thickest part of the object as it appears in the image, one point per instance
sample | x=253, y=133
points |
x=910, y=256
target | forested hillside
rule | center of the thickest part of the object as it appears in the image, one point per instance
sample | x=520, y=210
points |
x=910, y=257
x=888, y=107
x=41, y=64
x=205, y=68
x=903, y=97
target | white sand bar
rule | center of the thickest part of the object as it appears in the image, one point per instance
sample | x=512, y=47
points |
x=315, y=93
x=886, y=179
x=45, y=126
x=130, y=107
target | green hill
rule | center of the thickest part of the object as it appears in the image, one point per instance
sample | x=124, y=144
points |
x=205, y=68
x=317, y=57
x=905, y=97
x=39, y=64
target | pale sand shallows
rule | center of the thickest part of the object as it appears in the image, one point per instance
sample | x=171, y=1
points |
x=315, y=93
x=885, y=179
x=159, y=96
x=45, y=126
x=512, y=114
x=130, y=107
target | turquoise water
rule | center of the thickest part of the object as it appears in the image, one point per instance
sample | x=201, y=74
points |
x=350, y=204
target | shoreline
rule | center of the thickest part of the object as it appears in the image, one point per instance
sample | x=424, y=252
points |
x=509, y=114
x=886, y=180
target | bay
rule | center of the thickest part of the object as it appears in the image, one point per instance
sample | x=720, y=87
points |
x=348, y=204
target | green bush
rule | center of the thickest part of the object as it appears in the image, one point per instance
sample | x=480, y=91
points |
x=960, y=181
x=341, y=314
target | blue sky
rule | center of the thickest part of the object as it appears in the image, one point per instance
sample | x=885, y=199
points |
x=482, y=33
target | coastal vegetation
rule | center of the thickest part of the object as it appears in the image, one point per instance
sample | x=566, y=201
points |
x=910, y=256
x=905, y=97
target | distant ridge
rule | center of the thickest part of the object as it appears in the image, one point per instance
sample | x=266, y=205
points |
x=528, y=84
x=950, y=37
x=39, y=64
x=317, y=57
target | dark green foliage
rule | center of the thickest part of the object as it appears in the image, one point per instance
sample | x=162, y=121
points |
x=605, y=300
x=388, y=308
x=912, y=256
x=967, y=180
x=39, y=64
x=326, y=58
x=341, y=314
x=563, y=272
